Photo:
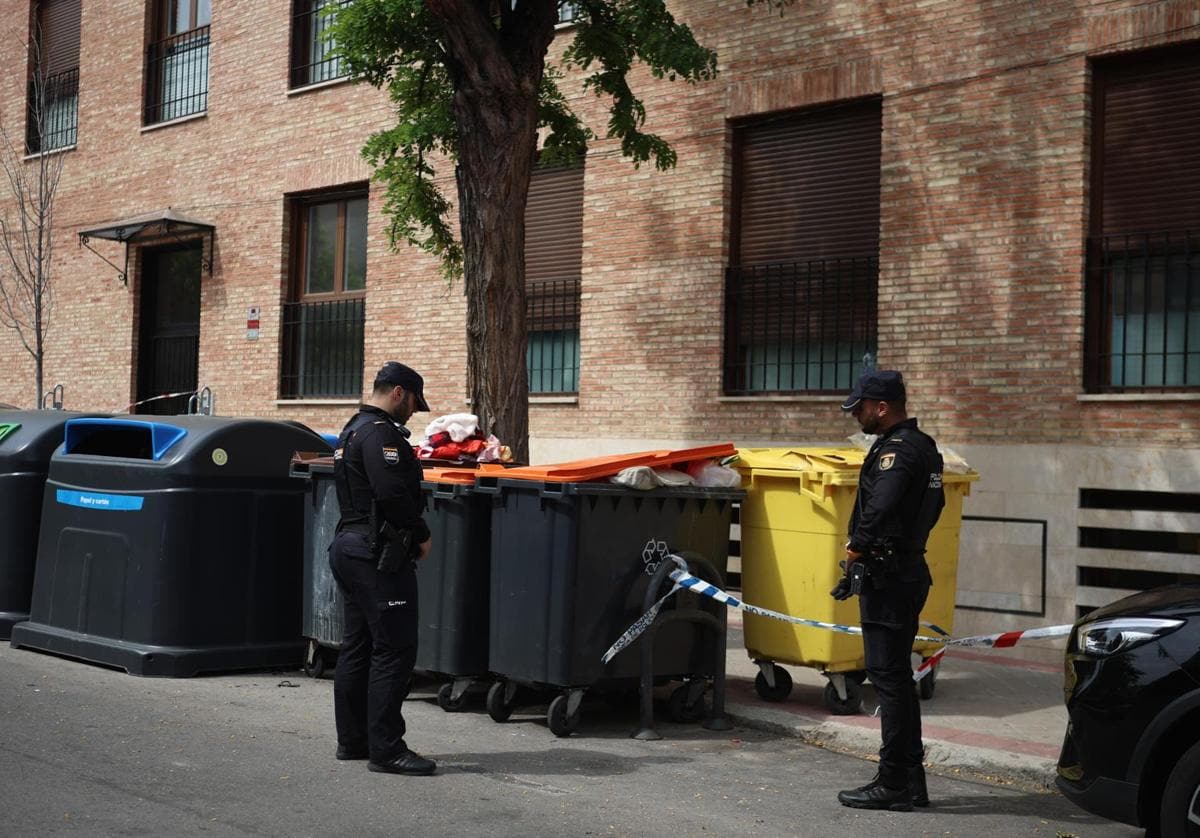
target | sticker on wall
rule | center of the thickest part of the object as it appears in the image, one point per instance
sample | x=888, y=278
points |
x=252, y=322
x=219, y=456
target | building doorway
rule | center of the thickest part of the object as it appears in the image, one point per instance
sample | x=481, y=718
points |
x=169, y=332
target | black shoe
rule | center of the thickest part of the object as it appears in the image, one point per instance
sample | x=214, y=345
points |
x=351, y=753
x=916, y=784
x=408, y=762
x=877, y=796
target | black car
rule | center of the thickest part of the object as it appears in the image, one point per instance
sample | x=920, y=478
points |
x=1132, y=749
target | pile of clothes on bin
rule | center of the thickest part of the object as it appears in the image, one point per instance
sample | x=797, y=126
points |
x=456, y=438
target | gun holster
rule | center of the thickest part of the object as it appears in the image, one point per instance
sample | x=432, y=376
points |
x=394, y=548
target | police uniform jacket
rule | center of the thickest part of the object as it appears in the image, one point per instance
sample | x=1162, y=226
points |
x=373, y=461
x=899, y=499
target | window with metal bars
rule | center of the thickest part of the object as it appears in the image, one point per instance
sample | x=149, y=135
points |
x=801, y=291
x=568, y=12
x=177, y=60
x=1143, y=254
x=52, y=112
x=553, y=268
x=324, y=319
x=313, y=60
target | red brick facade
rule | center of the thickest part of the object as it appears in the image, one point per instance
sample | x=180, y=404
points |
x=985, y=179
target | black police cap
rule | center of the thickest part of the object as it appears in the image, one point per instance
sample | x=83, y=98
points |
x=399, y=375
x=877, y=385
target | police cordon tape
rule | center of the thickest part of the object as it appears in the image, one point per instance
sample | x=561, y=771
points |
x=157, y=398
x=685, y=581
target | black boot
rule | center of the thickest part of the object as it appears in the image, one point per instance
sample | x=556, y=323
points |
x=877, y=796
x=916, y=784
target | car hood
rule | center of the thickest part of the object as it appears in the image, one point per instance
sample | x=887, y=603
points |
x=1169, y=601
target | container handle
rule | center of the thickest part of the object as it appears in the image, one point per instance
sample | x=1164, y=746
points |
x=807, y=482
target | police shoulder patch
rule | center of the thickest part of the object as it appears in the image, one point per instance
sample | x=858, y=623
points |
x=886, y=461
x=391, y=456
x=338, y=453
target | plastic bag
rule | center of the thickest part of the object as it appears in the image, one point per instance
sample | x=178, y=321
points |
x=636, y=477
x=717, y=476
x=672, y=477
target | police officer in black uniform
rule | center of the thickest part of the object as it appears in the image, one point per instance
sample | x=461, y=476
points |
x=899, y=500
x=379, y=537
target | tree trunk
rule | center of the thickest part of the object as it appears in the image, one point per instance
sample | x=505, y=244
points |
x=495, y=159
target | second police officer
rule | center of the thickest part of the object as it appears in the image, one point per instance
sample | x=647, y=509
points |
x=379, y=537
x=899, y=500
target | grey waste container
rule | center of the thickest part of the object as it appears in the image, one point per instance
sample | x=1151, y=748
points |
x=171, y=547
x=571, y=565
x=452, y=582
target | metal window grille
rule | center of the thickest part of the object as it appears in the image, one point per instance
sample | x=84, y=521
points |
x=552, y=328
x=177, y=73
x=568, y=12
x=800, y=327
x=1144, y=312
x=53, y=112
x=323, y=349
x=313, y=60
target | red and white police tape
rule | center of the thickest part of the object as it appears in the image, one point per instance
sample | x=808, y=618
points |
x=684, y=580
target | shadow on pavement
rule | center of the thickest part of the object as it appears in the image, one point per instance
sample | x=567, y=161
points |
x=567, y=762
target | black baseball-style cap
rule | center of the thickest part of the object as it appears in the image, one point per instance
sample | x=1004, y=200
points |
x=877, y=385
x=397, y=374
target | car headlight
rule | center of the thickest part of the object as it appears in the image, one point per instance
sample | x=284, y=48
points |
x=1108, y=637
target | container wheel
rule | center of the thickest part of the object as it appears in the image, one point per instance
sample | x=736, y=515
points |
x=314, y=660
x=858, y=676
x=561, y=724
x=497, y=707
x=447, y=701
x=681, y=711
x=782, y=688
x=852, y=705
x=316, y=668
x=927, y=684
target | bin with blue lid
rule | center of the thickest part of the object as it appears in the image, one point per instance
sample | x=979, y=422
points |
x=27, y=440
x=171, y=547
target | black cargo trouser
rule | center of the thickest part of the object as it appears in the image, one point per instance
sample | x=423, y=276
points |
x=890, y=618
x=379, y=648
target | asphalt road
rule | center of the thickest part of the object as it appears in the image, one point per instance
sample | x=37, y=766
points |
x=90, y=751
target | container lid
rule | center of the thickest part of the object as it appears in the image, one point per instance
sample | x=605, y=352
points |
x=831, y=466
x=598, y=468
x=458, y=476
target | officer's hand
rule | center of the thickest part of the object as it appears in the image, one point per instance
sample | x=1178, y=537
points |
x=424, y=548
x=852, y=555
x=842, y=590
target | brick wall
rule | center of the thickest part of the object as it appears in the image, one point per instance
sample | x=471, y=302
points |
x=984, y=206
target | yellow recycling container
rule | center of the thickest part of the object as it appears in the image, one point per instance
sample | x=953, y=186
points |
x=794, y=523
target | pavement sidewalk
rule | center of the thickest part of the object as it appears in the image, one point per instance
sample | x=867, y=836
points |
x=990, y=713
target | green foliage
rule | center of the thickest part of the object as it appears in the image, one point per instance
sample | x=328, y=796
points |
x=399, y=45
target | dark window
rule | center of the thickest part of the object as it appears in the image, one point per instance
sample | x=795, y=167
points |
x=52, y=117
x=312, y=51
x=553, y=267
x=1143, y=254
x=568, y=12
x=177, y=60
x=800, y=292
x=323, y=320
